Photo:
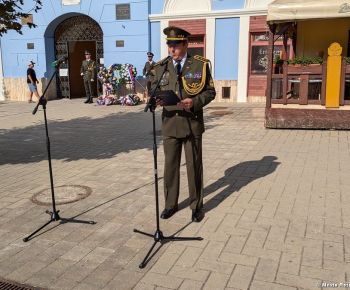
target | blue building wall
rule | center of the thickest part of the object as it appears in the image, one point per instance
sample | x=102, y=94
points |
x=155, y=39
x=227, y=4
x=135, y=33
x=157, y=6
x=226, y=48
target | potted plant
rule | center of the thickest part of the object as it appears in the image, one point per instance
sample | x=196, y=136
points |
x=277, y=65
x=305, y=60
x=305, y=64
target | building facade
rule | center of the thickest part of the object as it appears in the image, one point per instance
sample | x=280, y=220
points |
x=231, y=33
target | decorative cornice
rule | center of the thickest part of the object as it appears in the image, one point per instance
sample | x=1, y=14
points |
x=211, y=14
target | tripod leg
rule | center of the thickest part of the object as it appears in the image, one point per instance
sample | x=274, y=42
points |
x=183, y=238
x=144, y=262
x=143, y=233
x=26, y=239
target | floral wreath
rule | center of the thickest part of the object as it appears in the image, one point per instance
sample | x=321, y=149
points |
x=118, y=74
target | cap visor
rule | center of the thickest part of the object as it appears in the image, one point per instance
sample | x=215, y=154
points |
x=173, y=42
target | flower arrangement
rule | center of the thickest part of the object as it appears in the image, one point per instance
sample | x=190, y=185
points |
x=118, y=74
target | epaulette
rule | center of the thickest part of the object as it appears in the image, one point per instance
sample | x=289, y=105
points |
x=201, y=58
x=160, y=62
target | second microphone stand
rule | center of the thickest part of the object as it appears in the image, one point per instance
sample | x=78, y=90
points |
x=158, y=236
x=54, y=216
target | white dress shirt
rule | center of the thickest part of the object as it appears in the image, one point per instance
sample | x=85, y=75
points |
x=181, y=63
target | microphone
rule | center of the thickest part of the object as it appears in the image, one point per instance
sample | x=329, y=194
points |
x=57, y=62
x=165, y=60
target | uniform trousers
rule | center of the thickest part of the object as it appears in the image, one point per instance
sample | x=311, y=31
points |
x=88, y=89
x=193, y=154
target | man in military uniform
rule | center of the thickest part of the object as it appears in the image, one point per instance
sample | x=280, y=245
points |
x=190, y=79
x=87, y=70
x=148, y=70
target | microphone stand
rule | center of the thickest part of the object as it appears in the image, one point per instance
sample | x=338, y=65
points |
x=54, y=216
x=158, y=235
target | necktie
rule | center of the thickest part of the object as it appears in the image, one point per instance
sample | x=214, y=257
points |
x=178, y=67
x=178, y=71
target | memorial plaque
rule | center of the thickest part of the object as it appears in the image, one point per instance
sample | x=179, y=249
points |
x=123, y=11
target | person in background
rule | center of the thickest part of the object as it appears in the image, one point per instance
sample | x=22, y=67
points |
x=32, y=82
x=148, y=71
x=87, y=70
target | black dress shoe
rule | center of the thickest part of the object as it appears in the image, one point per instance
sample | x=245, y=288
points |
x=86, y=101
x=167, y=213
x=197, y=215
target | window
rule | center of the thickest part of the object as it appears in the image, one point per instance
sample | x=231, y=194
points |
x=123, y=11
x=226, y=92
x=26, y=20
x=196, y=45
x=259, y=50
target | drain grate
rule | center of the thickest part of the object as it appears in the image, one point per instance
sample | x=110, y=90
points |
x=221, y=113
x=64, y=194
x=9, y=285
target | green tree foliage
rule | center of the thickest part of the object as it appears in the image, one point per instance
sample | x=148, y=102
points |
x=11, y=14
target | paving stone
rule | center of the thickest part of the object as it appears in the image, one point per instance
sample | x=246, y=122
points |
x=191, y=285
x=241, y=277
x=270, y=224
x=259, y=285
x=216, y=281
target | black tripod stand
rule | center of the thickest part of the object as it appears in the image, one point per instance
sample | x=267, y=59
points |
x=158, y=235
x=54, y=216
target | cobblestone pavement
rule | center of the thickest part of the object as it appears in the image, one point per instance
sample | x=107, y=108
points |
x=277, y=202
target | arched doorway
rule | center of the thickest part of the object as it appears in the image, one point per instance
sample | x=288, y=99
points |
x=72, y=37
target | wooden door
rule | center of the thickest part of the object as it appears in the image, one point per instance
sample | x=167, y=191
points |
x=76, y=55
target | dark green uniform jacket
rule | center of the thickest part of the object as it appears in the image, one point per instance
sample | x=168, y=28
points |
x=88, y=69
x=197, y=84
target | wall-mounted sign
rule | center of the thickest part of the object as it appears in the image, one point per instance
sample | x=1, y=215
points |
x=63, y=72
x=122, y=11
x=119, y=43
x=30, y=45
x=26, y=20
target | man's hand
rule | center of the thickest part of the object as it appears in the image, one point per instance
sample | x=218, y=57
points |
x=186, y=104
x=159, y=102
x=82, y=74
x=92, y=80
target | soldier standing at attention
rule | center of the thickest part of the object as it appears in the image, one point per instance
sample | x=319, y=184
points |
x=87, y=70
x=190, y=79
x=147, y=70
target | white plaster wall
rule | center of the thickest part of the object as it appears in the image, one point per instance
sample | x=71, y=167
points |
x=243, y=57
x=257, y=3
x=163, y=46
x=180, y=6
x=210, y=43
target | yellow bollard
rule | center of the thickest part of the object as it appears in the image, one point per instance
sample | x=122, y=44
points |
x=333, y=75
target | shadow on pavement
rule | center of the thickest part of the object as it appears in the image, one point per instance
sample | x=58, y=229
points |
x=235, y=178
x=81, y=138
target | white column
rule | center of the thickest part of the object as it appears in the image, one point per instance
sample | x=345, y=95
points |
x=243, y=60
x=210, y=43
x=163, y=46
x=2, y=93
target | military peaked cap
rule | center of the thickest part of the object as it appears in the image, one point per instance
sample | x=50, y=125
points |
x=175, y=34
